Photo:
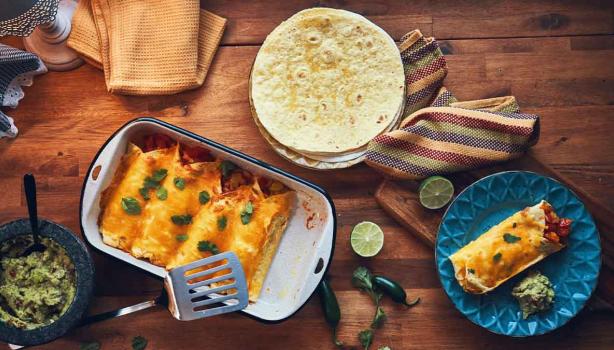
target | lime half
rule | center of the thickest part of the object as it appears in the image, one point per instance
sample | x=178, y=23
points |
x=435, y=192
x=367, y=239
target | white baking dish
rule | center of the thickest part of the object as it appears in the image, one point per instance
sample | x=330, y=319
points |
x=304, y=253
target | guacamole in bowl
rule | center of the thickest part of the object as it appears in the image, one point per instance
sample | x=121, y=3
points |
x=43, y=295
x=37, y=289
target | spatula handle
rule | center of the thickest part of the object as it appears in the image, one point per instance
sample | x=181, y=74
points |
x=118, y=312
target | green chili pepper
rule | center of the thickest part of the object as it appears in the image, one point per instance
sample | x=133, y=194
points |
x=393, y=290
x=330, y=306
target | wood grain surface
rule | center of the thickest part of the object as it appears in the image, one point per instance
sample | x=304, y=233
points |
x=554, y=56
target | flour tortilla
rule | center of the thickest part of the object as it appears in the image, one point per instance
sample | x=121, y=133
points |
x=326, y=81
x=300, y=159
x=356, y=153
x=337, y=161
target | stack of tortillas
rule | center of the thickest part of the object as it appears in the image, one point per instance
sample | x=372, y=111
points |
x=324, y=83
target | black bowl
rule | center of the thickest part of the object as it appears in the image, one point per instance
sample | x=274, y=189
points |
x=84, y=270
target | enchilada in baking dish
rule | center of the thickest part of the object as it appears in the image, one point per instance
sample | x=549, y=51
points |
x=172, y=204
x=510, y=247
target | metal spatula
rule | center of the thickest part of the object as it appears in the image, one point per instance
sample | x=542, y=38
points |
x=207, y=287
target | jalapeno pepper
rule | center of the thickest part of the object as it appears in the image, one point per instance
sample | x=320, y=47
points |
x=393, y=290
x=330, y=306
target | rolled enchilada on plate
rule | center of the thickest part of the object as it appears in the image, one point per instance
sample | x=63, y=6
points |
x=510, y=247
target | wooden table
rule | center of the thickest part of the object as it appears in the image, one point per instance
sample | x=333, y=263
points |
x=556, y=57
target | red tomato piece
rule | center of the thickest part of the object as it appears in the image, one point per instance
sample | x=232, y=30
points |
x=564, y=227
x=157, y=141
x=196, y=154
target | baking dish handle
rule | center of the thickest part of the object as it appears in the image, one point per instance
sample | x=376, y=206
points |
x=324, y=252
x=100, y=165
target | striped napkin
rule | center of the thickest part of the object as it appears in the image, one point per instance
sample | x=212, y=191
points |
x=440, y=135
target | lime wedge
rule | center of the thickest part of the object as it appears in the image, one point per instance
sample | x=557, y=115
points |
x=435, y=192
x=367, y=239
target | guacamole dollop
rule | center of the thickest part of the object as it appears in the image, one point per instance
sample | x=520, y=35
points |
x=534, y=294
x=37, y=289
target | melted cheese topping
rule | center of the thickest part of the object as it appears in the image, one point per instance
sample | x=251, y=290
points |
x=490, y=260
x=251, y=242
x=158, y=239
x=153, y=235
x=118, y=228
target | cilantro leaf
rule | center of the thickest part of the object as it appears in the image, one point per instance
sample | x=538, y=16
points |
x=179, y=183
x=162, y=193
x=144, y=193
x=245, y=217
x=510, y=238
x=131, y=206
x=139, y=343
x=496, y=257
x=366, y=338
x=154, y=180
x=227, y=167
x=246, y=213
x=361, y=279
x=181, y=238
x=249, y=207
x=93, y=345
x=150, y=183
x=222, y=221
x=205, y=246
x=203, y=197
x=182, y=220
x=159, y=175
x=379, y=318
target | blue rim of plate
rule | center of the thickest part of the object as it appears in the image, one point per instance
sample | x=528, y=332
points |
x=574, y=271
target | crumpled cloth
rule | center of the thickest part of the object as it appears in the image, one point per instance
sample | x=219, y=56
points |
x=17, y=68
x=440, y=135
x=152, y=47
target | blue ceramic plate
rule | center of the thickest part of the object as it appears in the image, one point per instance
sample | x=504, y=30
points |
x=573, y=271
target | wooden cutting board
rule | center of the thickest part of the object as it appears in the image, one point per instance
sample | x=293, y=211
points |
x=400, y=200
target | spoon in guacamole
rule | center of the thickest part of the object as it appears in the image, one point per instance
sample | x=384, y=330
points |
x=30, y=187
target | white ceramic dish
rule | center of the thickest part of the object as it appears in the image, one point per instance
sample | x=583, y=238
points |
x=304, y=253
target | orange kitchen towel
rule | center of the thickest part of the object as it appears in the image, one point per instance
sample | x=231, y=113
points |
x=84, y=36
x=440, y=135
x=147, y=47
